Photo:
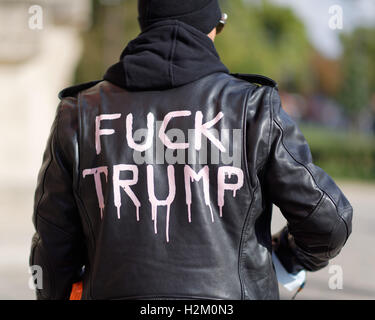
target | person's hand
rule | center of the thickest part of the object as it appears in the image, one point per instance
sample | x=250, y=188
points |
x=281, y=247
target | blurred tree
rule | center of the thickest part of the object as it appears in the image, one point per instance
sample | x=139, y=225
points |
x=327, y=74
x=114, y=24
x=265, y=38
x=358, y=71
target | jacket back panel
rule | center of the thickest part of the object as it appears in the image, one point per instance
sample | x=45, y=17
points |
x=164, y=219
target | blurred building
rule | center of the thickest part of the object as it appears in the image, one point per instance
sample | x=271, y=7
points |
x=35, y=63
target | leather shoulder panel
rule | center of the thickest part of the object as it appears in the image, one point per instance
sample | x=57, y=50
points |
x=256, y=79
x=74, y=90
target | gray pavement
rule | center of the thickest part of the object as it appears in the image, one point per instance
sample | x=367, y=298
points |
x=357, y=259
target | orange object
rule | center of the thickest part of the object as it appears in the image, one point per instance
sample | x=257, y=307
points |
x=76, y=293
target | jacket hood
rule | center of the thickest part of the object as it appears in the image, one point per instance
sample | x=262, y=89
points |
x=166, y=55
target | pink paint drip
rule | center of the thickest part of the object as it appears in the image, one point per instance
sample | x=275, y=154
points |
x=189, y=212
x=125, y=185
x=155, y=217
x=155, y=202
x=96, y=172
x=191, y=176
x=222, y=186
x=212, y=214
x=167, y=224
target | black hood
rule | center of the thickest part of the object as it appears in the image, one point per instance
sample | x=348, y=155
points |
x=166, y=55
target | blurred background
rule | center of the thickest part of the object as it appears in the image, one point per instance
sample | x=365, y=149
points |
x=321, y=53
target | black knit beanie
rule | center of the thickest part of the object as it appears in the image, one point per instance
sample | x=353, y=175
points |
x=204, y=15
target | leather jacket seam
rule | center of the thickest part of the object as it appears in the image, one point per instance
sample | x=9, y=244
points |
x=271, y=122
x=85, y=213
x=76, y=178
x=310, y=214
x=87, y=218
x=58, y=144
x=244, y=140
x=37, y=216
x=56, y=227
x=248, y=214
x=79, y=142
x=244, y=228
x=45, y=175
x=244, y=125
x=329, y=255
x=264, y=163
x=300, y=163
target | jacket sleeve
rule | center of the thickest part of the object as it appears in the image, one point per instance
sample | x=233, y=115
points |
x=318, y=214
x=57, y=246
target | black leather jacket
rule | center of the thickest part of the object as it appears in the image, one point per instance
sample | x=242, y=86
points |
x=177, y=225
